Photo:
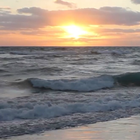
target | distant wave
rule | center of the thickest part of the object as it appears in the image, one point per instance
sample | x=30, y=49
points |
x=69, y=52
x=20, y=53
x=44, y=69
x=1, y=70
x=115, y=52
x=136, y=62
x=50, y=53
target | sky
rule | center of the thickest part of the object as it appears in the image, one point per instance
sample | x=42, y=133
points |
x=69, y=22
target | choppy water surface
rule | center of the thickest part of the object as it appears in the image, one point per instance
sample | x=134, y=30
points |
x=53, y=88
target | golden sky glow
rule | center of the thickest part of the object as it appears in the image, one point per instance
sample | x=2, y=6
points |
x=70, y=23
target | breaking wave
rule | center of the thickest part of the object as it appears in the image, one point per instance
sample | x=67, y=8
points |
x=48, y=110
x=81, y=85
x=84, y=85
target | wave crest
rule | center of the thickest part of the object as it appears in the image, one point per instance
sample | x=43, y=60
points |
x=82, y=85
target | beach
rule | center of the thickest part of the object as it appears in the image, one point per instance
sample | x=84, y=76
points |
x=121, y=129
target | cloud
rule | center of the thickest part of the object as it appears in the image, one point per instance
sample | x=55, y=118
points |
x=4, y=10
x=136, y=1
x=68, y=4
x=36, y=18
x=113, y=32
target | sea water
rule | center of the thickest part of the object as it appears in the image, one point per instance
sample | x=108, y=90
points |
x=49, y=88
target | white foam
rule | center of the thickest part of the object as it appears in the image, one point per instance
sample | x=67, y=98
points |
x=47, y=111
x=89, y=84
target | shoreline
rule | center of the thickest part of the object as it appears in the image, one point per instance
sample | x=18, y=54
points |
x=38, y=126
x=121, y=129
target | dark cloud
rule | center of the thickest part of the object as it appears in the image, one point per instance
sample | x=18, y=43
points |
x=35, y=18
x=136, y=1
x=65, y=3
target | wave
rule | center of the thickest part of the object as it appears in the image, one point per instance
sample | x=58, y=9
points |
x=31, y=111
x=113, y=52
x=136, y=62
x=128, y=79
x=50, y=53
x=44, y=69
x=1, y=70
x=19, y=53
x=82, y=85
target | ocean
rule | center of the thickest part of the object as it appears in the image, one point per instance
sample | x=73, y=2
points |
x=49, y=88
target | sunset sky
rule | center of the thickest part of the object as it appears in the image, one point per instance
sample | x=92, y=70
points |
x=69, y=22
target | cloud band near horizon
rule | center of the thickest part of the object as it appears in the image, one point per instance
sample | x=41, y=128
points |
x=35, y=18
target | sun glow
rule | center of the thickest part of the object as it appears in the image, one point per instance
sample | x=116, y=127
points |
x=74, y=31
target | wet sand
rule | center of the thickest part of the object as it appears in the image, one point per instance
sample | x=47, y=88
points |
x=121, y=129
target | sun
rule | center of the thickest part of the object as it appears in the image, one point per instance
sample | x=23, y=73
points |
x=74, y=31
